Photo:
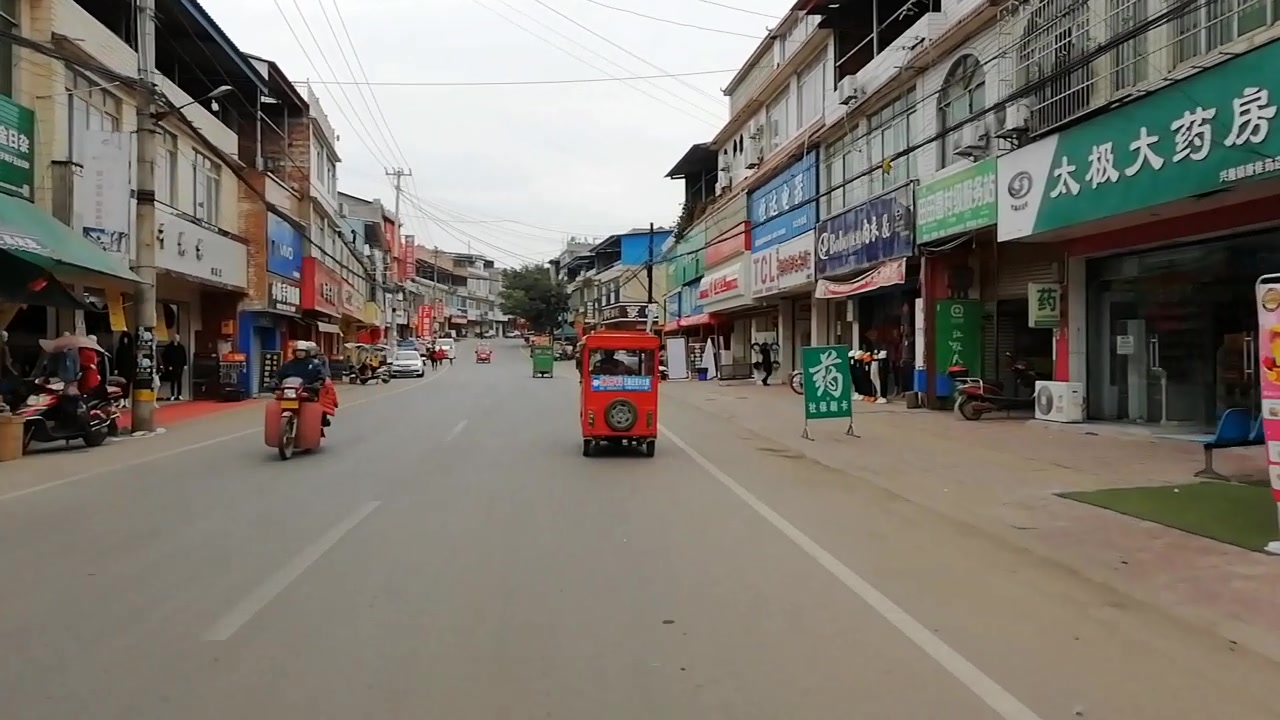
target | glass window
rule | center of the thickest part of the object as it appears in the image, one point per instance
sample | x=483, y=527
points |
x=890, y=132
x=167, y=168
x=208, y=186
x=92, y=107
x=809, y=102
x=776, y=122
x=964, y=92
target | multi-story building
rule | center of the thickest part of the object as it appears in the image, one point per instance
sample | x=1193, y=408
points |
x=613, y=285
x=386, y=261
x=85, y=108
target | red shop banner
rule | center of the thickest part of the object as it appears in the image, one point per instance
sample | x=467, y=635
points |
x=321, y=287
x=410, y=257
x=352, y=303
x=425, y=317
x=728, y=244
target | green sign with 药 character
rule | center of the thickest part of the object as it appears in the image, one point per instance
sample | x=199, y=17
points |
x=1044, y=305
x=961, y=202
x=17, y=149
x=957, y=338
x=828, y=384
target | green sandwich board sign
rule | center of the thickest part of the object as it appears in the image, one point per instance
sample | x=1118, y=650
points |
x=828, y=384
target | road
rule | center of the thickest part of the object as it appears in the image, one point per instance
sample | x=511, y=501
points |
x=449, y=554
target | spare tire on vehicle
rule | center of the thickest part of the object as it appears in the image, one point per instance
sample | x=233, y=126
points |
x=621, y=415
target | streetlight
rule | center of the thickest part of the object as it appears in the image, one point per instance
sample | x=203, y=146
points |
x=217, y=93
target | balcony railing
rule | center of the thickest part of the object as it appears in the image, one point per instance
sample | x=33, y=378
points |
x=1109, y=60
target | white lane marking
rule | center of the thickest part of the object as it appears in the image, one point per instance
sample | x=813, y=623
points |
x=266, y=592
x=996, y=697
x=185, y=448
x=454, y=432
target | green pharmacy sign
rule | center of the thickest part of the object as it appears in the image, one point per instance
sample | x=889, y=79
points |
x=1206, y=132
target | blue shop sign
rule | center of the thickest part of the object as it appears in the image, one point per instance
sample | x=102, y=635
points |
x=689, y=304
x=621, y=383
x=784, y=207
x=284, y=246
x=868, y=234
x=673, y=306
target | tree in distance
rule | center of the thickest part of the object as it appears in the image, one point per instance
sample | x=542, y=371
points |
x=531, y=293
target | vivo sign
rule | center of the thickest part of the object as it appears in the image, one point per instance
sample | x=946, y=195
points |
x=285, y=245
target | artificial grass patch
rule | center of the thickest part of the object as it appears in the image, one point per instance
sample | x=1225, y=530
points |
x=1240, y=515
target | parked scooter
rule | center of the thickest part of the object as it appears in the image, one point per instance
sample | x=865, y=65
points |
x=50, y=414
x=976, y=397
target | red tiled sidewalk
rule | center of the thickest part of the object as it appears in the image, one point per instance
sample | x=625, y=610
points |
x=1000, y=475
x=170, y=414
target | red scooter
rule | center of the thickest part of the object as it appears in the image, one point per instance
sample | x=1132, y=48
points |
x=49, y=415
x=976, y=397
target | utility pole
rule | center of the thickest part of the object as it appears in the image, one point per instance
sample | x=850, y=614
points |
x=144, y=262
x=648, y=271
x=397, y=175
x=435, y=290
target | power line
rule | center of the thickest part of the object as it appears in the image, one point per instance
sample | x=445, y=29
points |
x=659, y=68
x=741, y=10
x=674, y=22
x=389, y=134
x=589, y=64
x=511, y=83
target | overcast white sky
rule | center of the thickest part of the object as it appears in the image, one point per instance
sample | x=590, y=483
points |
x=583, y=158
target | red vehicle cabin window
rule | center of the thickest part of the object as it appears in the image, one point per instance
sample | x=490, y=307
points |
x=623, y=362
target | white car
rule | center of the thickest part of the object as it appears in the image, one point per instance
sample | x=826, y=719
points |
x=450, y=349
x=408, y=363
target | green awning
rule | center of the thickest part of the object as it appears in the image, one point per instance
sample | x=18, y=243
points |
x=35, y=236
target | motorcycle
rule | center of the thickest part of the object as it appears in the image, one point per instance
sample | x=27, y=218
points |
x=49, y=414
x=295, y=420
x=976, y=397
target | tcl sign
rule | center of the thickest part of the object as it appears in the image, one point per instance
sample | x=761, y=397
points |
x=764, y=272
x=782, y=266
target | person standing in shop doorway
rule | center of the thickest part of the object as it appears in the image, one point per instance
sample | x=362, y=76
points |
x=174, y=357
x=766, y=363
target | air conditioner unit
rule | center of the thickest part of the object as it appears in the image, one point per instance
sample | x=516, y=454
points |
x=757, y=132
x=342, y=209
x=849, y=91
x=1017, y=120
x=1059, y=401
x=973, y=142
x=724, y=181
x=755, y=153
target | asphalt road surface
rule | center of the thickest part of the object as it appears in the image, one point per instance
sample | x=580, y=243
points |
x=450, y=554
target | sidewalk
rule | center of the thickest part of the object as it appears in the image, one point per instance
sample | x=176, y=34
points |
x=169, y=414
x=1001, y=475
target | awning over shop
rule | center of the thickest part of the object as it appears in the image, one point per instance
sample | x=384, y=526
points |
x=329, y=328
x=692, y=321
x=34, y=235
x=893, y=272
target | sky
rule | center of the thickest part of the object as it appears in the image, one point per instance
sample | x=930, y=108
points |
x=545, y=160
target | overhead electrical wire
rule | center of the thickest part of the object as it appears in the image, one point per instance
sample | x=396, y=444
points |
x=389, y=153
x=713, y=123
x=659, y=68
x=757, y=38
x=380, y=122
x=467, y=238
x=738, y=9
x=516, y=83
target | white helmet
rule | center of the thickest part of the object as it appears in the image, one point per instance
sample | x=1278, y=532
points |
x=305, y=346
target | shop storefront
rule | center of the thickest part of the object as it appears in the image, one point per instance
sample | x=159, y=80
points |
x=1161, y=245
x=204, y=275
x=264, y=329
x=955, y=235
x=321, y=303
x=724, y=295
x=625, y=316
x=351, y=303
x=783, y=215
x=868, y=281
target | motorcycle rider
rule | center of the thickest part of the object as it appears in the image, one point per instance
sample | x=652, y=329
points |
x=311, y=368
